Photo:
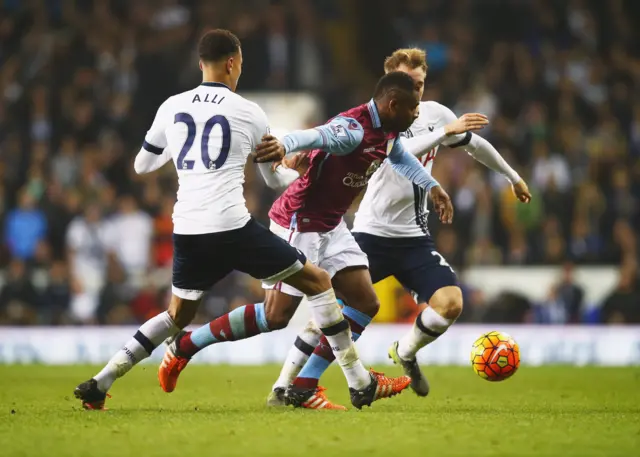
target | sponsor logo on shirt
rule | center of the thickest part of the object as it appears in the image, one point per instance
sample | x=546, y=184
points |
x=354, y=180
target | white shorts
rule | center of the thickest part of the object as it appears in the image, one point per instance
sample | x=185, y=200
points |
x=332, y=251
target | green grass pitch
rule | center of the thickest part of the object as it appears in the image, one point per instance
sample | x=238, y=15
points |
x=219, y=411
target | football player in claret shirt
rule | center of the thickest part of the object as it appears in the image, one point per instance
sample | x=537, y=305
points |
x=391, y=229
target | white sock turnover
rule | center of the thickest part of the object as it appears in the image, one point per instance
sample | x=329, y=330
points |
x=147, y=338
x=298, y=355
x=428, y=327
x=328, y=316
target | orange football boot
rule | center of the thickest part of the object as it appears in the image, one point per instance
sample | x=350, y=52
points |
x=381, y=387
x=170, y=368
x=319, y=400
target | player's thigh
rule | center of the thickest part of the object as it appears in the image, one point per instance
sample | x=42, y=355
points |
x=199, y=261
x=300, y=282
x=354, y=285
x=380, y=252
x=267, y=256
x=279, y=308
x=424, y=271
x=339, y=250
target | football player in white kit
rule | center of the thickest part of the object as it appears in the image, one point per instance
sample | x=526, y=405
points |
x=209, y=132
x=391, y=228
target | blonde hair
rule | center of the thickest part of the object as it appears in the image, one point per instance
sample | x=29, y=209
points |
x=411, y=57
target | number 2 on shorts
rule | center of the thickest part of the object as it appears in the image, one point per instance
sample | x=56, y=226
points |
x=443, y=262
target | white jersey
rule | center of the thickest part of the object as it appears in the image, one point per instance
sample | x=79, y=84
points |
x=392, y=206
x=208, y=132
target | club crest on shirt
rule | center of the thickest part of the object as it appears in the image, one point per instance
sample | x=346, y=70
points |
x=372, y=168
x=431, y=127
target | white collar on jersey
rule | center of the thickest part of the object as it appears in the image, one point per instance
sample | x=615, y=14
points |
x=212, y=84
x=373, y=111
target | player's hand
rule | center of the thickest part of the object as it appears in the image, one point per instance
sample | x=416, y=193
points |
x=521, y=191
x=442, y=204
x=298, y=161
x=466, y=123
x=269, y=150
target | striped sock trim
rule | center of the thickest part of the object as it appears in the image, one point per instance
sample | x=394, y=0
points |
x=237, y=323
x=423, y=328
x=202, y=337
x=335, y=328
x=314, y=368
x=261, y=318
x=357, y=316
x=144, y=342
x=303, y=346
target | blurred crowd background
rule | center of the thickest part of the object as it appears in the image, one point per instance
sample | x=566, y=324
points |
x=85, y=240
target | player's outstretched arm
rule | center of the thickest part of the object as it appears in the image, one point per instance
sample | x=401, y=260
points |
x=422, y=144
x=410, y=167
x=481, y=150
x=484, y=152
x=341, y=136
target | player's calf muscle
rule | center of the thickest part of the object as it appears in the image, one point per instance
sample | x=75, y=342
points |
x=311, y=280
x=354, y=285
x=279, y=308
x=182, y=311
x=447, y=302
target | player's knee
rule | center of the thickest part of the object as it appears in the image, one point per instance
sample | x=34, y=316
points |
x=318, y=281
x=447, y=302
x=370, y=306
x=373, y=308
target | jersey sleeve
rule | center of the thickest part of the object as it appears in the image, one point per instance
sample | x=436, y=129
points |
x=406, y=164
x=259, y=127
x=453, y=141
x=340, y=136
x=156, y=139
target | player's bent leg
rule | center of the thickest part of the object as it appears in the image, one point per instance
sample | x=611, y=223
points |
x=93, y=392
x=447, y=302
x=173, y=362
x=354, y=284
x=241, y=323
x=279, y=308
x=297, y=357
x=364, y=387
x=445, y=305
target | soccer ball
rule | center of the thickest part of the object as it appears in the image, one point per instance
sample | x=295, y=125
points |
x=495, y=356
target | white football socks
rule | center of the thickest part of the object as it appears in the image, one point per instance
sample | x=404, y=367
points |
x=147, y=338
x=428, y=327
x=298, y=355
x=327, y=315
